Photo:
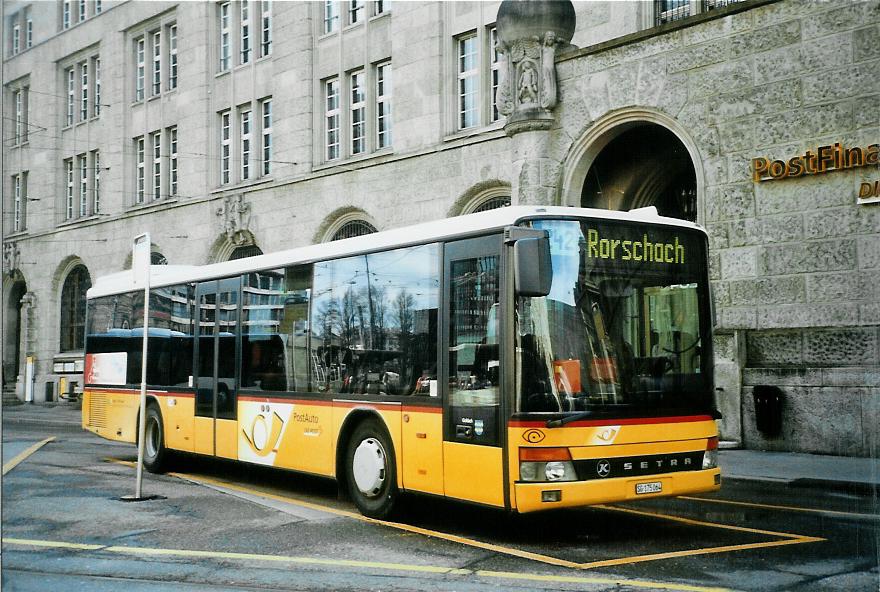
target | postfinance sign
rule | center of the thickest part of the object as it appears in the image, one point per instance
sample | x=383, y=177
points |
x=612, y=248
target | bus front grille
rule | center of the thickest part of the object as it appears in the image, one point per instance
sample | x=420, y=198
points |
x=98, y=410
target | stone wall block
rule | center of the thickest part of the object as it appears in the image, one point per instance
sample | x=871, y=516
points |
x=622, y=85
x=769, y=98
x=739, y=263
x=724, y=346
x=832, y=85
x=717, y=235
x=738, y=318
x=869, y=252
x=724, y=77
x=717, y=28
x=780, y=290
x=781, y=229
x=808, y=257
x=841, y=347
x=845, y=286
x=745, y=231
x=768, y=347
x=865, y=377
x=715, y=170
x=865, y=44
x=594, y=94
x=783, y=376
x=721, y=294
x=652, y=79
x=871, y=422
x=869, y=314
x=738, y=135
x=803, y=194
x=742, y=292
x=674, y=95
x=727, y=202
x=847, y=17
x=842, y=222
x=866, y=111
x=764, y=38
x=808, y=122
x=714, y=266
x=805, y=315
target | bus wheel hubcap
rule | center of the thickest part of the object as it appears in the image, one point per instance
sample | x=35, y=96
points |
x=369, y=467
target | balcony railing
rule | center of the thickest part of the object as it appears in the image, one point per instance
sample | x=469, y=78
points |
x=666, y=11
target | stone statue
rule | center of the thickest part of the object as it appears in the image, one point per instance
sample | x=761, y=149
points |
x=548, y=67
x=11, y=254
x=528, y=83
x=235, y=214
x=503, y=98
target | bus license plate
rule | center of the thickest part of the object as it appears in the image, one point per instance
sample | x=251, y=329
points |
x=652, y=487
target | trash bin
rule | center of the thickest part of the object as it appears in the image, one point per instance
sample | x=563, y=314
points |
x=768, y=409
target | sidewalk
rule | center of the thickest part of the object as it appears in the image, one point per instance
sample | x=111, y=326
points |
x=796, y=469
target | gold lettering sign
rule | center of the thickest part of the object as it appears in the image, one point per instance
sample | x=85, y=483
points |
x=869, y=192
x=825, y=159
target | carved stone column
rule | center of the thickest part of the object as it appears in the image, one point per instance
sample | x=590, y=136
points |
x=530, y=32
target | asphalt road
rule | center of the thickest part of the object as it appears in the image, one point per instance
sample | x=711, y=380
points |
x=221, y=526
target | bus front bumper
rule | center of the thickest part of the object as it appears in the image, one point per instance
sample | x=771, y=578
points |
x=531, y=497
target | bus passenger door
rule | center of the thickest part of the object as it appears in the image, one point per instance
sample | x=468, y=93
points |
x=473, y=460
x=215, y=372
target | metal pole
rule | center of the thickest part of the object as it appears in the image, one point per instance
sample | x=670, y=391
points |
x=142, y=423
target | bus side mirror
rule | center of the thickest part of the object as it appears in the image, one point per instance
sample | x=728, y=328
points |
x=532, y=267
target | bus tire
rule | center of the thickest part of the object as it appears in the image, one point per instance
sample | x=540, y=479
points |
x=371, y=472
x=155, y=454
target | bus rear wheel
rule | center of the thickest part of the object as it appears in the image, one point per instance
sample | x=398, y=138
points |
x=155, y=454
x=371, y=472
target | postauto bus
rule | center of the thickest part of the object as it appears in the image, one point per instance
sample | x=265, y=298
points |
x=524, y=358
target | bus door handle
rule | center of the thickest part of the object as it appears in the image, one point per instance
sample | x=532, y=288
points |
x=464, y=431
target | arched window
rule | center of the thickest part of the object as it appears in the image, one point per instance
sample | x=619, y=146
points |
x=73, y=309
x=157, y=258
x=493, y=203
x=245, y=251
x=353, y=228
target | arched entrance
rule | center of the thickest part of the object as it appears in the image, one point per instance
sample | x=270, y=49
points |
x=643, y=165
x=12, y=331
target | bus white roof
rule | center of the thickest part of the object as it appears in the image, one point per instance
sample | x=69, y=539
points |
x=436, y=230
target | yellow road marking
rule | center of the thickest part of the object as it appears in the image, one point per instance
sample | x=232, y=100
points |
x=153, y=552
x=778, y=507
x=26, y=453
x=787, y=538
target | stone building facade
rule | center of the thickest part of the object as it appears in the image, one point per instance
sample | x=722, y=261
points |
x=226, y=127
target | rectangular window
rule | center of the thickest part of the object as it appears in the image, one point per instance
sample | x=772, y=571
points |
x=16, y=39
x=358, y=109
x=141, y=173
x=157, y=63
x=83, y=185
x=355, y=11
x=331, y=16
x=331, y=118
x=225, y=147
x=266, y=110
x=468, y=82
x=65, y=14
x=71, y=82
x=96, y=184
x=84, y=97
x=139, y=78
x=266, y=29
x=246, y=144
x=68, y=167
x=381, y=7
x=172, y=56
x=82, y=10
x=383, y=105
x=96, y=66
x=172, y=160
x=17, y=207
x=224, y=37
x=98, y=7
x=29, y=33
x=495, y=70
x=245, y=31
x=157, y=165
x=18, y=101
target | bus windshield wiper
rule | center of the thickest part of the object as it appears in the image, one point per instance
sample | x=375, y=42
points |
x=556, y=423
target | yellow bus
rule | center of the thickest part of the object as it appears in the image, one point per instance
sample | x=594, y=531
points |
x=524, y=358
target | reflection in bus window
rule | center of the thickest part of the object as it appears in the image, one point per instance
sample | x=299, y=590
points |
x=374, y=323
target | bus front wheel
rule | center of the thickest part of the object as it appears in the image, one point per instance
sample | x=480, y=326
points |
x=371, y=470
x=155, y=454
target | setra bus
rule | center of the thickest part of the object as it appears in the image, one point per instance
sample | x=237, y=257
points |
x=524, y=358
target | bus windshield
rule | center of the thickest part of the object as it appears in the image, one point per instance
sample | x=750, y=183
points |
x=625, y=327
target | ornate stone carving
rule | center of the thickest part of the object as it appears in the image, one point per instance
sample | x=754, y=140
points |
x=529, y=35
x=235, y=216
x=11, y=256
